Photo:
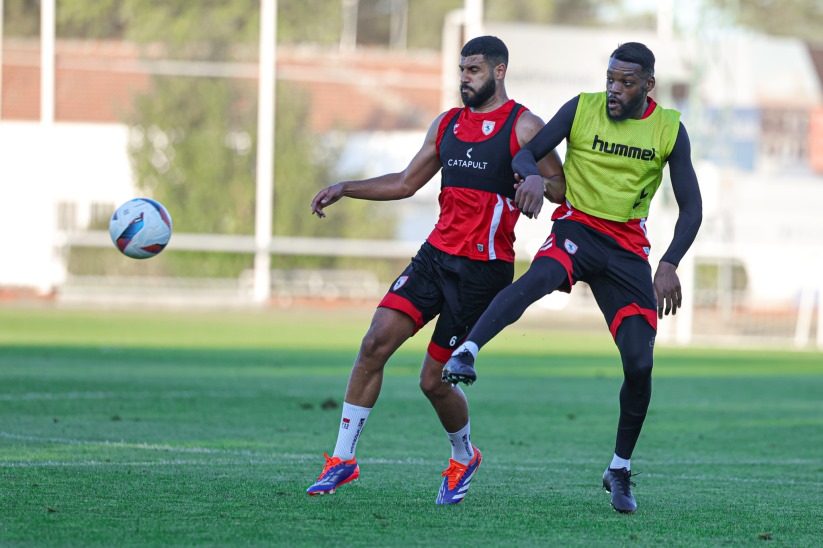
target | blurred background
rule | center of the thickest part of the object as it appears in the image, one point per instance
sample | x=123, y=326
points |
x=234, y=113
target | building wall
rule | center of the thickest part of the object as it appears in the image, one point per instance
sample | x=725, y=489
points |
x=97, y=81
x=51, y=179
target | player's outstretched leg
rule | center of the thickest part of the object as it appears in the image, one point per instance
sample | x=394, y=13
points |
x=617, y=481
x=457, y=479
x=335, y=473
x=544, y=276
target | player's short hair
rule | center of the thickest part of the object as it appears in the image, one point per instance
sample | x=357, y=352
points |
x=637, y=53
x=491, y=48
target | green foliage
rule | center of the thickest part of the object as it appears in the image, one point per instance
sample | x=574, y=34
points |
x=213, y=22
x=205, y=29
x=101, y=19
x=562, y=12
x=309, y=21
x=798, y=18
x=422, y=33
x=303, y=166
x=21, y=18
x=191, y=148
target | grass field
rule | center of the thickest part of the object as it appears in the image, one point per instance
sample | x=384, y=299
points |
x=137, y=428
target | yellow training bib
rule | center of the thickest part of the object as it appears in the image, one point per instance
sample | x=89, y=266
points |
x=613, y=169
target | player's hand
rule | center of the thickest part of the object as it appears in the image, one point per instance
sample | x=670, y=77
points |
x=326, y=197
x=529, y=194
x=667, y=289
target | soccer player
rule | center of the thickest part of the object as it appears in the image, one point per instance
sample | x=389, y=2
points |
x=461, y=266
x=618, y=142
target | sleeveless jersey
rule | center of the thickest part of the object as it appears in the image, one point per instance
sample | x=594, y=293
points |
x=477, y=210
x=613, y=169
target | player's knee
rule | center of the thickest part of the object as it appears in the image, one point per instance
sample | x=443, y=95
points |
x=636, y=344
x=637, y=367
x=376, y=346
x=431, y=383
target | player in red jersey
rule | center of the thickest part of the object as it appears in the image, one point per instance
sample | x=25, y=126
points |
x=464, y=262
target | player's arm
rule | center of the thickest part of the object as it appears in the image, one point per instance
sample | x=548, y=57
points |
x=526, y=162
x=552, y=186
x=391, y=186
x=690, y=204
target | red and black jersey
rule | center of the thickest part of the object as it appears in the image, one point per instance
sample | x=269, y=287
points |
x=477, y=210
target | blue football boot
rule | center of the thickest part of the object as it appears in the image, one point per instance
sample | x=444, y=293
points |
x=335, y=473
x=457, y=478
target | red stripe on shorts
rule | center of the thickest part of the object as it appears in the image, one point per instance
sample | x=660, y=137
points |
x=439, y=353
x=550, y=249
x=401, y=304
x=632, y=310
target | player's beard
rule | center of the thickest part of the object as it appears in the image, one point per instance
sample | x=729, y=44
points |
x=626, y=109
x=479, y=96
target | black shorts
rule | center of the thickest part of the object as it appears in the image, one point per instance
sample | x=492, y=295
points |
x=620, y=280
x=458, y=289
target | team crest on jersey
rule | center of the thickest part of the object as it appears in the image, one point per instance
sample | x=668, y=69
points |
x=570, y=246
x=455, y=128
x=480, y=248
x=400, y=282
x=488, y=127
x=647, y=249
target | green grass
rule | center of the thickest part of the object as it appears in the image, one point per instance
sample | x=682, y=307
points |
x=140, y=428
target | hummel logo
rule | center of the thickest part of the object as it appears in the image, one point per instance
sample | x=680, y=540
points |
x=622, y=150
x=469, y=152
x=643, y=194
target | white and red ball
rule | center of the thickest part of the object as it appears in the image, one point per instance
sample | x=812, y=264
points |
x=140, y=228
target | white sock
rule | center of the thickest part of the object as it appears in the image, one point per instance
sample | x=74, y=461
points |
x=461, y=442
x=468, y=345
x=619, y=463
x=351, y=424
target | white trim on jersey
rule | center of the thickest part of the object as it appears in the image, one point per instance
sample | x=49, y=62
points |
x=496, y=216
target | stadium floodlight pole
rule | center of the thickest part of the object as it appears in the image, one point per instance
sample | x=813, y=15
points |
x=1, y=59
x=665, y=19
x=449, y=56
x=470, y=21
x=474, y=19
x=47, y=39
x=48, y=29
x=348, y=34
x=265, y=151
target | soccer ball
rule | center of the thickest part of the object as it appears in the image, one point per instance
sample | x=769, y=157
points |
x=140, y=228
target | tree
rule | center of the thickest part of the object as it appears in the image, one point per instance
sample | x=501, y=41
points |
x=798, y=18
x=21, y=18
x=171, y=21
x=559, y=12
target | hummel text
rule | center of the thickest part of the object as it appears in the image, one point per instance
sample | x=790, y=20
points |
x=622, y=150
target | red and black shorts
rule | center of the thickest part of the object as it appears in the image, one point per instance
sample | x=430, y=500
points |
x=620, y=280
x=458, y=289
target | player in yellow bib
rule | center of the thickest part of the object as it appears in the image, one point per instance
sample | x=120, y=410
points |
x=618, y=143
